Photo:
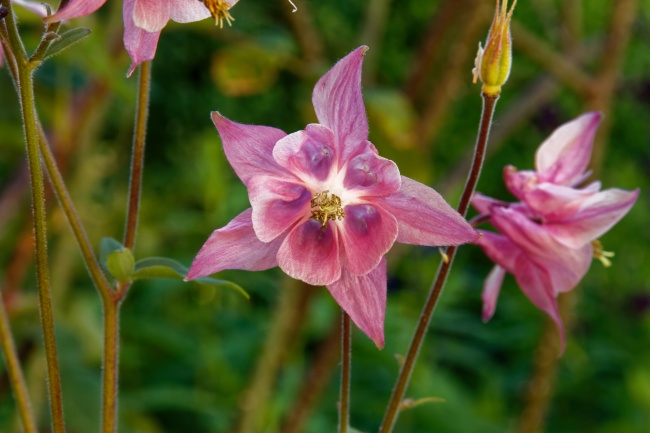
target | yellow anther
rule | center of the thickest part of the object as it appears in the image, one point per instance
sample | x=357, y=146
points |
x=445, y=257
x=328, y=207
x=219, y=10
x=602, y=255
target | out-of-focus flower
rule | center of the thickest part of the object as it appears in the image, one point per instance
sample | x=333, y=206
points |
x=492, y=64
x=548, y=239
x=144, y=20
x=325, y=207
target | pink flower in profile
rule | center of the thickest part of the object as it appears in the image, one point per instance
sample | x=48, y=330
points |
x=145, y=19
x=547, y=241
x=325, y=207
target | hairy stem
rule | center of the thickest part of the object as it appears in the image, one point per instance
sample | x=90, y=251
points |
x=110, y=368
x=392, y=411
x=15, y=372
x=137, y=156
x=346, y=357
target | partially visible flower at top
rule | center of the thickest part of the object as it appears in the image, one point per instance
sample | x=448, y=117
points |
x=548, y=239
x=145, y=19
x=35, y=7
x=492, y=64
x=325, y=207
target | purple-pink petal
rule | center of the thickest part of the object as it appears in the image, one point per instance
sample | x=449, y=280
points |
x=151, y=15
x=367, y=233
x=277, y=205
x=311, y=253
x=234, y=246
x=368, y=174
x=75, y=9
x=309, y=154
x=425, y=218
x=491, y=290
x=564, y=156
x=249, y=148
x=140, y=44
x=364, y=299
x=339, y=104
x=187, y=11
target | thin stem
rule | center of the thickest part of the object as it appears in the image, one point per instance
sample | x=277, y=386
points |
x=110, y=370
x=346, y=357
x=15, y=372
x=404, y=376
x=137, y=156
x=63, y=196
x=25, y=85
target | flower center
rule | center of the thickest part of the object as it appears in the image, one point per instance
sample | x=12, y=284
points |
x=328, y=207
x=602, y=255
x=219, y=10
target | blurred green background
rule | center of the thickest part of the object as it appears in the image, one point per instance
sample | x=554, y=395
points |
x=200, y=359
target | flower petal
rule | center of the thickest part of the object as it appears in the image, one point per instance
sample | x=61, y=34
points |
x=425, y=218
x=277, y=205
x=592, y=217
x=308, y=154
x=364, y=299
x=311, y=253
x=140, y=44
x=367, y=233
x=491, y=289
x=249, y=148
x=564, y=156
x=368, y=174
x=151, y=15
x=483, y=203
x=339, y=105
x=75, y=9
x=35, y=7
x=187, y=11
x=234, y=246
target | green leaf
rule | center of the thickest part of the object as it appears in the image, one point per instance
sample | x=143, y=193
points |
x=121, y=264
x=66, y=40
x=163, y=267
x=106, y=247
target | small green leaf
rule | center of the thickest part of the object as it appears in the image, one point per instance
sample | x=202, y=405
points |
x=121, y=264
x=66, y=40
x=163, y=267
x=106, y=247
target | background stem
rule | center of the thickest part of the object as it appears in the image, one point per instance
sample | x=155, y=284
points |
x=346, y=357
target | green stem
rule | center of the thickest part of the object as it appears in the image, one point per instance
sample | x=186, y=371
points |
x=392, y=411
x=137, y=157
x=73, y=219
x=25, y=85
x=110, y=370
x=15, y=372
x=346, y=357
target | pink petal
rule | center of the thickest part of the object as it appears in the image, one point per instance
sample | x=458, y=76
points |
x=151, y=15
x=187, y=11
x=308, y=154
x=35, y=7
x=425, y=218
x=140, y=44
x=249, y=148
x=367, y=233
x=558, y=201
x=75, y=9
x=234, y=246
x=491, y=290
x=519, y=182
x=339, y=105
x=565, y=155
x=369, y=174
x=535, y=284
x=311, y=254
x=277, y=205
x=1, y=55
x=364, y=299
x=593, y=218
x=483, y=203
x=501, y=250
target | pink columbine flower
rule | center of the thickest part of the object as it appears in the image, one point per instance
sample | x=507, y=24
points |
x=547, y=240
x=144, y=20
x=325, y=207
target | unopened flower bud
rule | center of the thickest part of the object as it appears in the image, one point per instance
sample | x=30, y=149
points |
x=492, y=64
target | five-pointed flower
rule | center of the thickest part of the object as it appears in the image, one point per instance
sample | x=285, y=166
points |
x=145, y=19
x=549, y=239
x=325, y=207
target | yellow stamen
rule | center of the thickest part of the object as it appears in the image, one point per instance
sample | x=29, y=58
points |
x=602, y=255
x=328, y=208
x=219, y=10
x=445, y=257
